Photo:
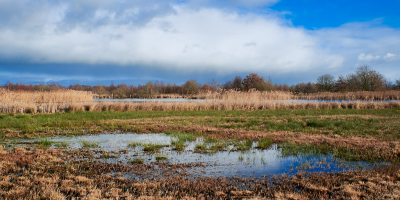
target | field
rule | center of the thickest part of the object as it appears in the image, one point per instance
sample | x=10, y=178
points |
x=42, y=157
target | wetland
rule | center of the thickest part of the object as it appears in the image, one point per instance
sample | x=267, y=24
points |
x=280, y=154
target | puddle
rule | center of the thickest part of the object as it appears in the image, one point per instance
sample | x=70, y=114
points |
x=250, y=163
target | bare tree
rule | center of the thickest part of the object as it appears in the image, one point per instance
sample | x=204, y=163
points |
x=368, y=79
x=326, y=82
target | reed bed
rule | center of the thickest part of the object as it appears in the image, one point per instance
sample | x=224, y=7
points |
x=361, y=95
x=60, y=96
x=41, y=102
x=191, y=106
x=252, y=95
x=69, y=100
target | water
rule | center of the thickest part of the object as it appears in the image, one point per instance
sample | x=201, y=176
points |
x=250, y=163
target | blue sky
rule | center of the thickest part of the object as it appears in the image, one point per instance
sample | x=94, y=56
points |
x=133, y=42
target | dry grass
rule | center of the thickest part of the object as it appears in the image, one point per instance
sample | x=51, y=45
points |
x=361, y=95
x=233, y=95
x=188, y=106
x=69, y=100
x=60, y=96
x=41, y=102
x=56, y=176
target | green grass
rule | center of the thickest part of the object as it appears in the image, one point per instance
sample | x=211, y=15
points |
x=89, y=144
x=137, y=161
x=383, y=123
x=264, y=143
x=160, y=157
x=44, y=142
x=345, y=153
x=134, y=144
x=243, y=145
x=153, y=147
x=108, y=155
x=62, y=144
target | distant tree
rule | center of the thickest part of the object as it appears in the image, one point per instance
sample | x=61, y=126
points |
x=237, y=83
x=228, y=85
x=326, y=82
x=352, y=83
x=149, y=90
x=214, y=85
x=368, y=79
x=252, y=81
x=340, y=84
x=191, y=87
x=398, y=84
x=168, y=89
x=206, y=87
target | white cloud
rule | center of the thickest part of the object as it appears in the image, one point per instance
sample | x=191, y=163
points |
x=389, y=56
x=369, y=57
x=177, y=36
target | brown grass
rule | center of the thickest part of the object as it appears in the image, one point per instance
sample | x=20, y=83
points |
x=69, y=100
x=361, y=95
x=69, y=179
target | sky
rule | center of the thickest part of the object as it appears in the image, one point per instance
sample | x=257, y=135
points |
x=136, y=41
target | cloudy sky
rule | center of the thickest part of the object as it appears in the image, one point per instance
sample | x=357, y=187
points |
x=135, y=41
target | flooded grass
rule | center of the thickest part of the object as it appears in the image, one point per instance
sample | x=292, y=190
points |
x=160, y=157
x=281, y=154
x=137, y=161
x=62, y=144
x=153, y=147
x=89, y=144
x=277, y=171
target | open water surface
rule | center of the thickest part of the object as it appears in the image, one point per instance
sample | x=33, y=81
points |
x=228, y=163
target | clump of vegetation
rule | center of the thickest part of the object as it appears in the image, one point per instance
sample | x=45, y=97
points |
x=264, y=143
x=243, y=145
x=62, y=144
x=160, y=157
x=178, y=145
x=153, y=147
x=90, y=144
x=107, y=155
x=44, y=143
x=200, y=147
x=137, y=161
x=134, y=144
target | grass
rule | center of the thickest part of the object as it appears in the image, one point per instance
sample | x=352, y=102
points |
x=90, y=144
x=62, y=144
x=137, y=161
x=345, y=153
x=153, y=147
x=264, y=143
x=107, y=155
x=241, y=145
x=134, y=144
x=385, y=123
x=44, y=142
x=160, y=157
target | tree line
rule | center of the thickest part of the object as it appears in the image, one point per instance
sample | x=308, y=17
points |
x=363, y=79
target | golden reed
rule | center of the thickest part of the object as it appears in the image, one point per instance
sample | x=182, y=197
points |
x=361, y=95
x=69, y=100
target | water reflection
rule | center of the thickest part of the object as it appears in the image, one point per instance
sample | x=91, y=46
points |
x=253, y=162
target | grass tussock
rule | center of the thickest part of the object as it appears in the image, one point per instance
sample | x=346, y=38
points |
x=90, y=144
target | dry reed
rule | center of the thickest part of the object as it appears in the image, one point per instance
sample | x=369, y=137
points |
x=41, y=102
x=69, y=100
x=361, y=95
